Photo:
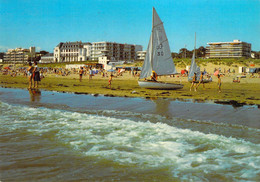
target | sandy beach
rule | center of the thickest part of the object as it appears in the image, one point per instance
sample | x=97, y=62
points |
x=245, y=92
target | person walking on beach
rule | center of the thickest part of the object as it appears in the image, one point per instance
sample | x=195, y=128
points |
x=110, y=80
x=30, y=74
x=193, y=83
x=36, y=75
x=201, y=80
x=81, y=71
x=219, y=83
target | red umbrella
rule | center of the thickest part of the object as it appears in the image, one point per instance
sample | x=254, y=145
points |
x=6, y=68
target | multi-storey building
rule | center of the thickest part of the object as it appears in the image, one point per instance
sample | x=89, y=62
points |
x=140, y=55
x=47, y=58
x=115, y=51
x=233, y=49
x=19, y=55
x=72, y=52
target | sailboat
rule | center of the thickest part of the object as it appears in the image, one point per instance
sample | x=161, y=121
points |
x=194, y=68
x=158, y=58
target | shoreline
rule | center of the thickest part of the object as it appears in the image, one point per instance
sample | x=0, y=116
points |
x=188, y=110
x=136, y=92
x=188, y=100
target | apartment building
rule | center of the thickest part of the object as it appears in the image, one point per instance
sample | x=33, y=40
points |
x=72, y=52
x=47, y=58
x=233, y=49
x=115, y=51
x=140, y=55
x=19, y=55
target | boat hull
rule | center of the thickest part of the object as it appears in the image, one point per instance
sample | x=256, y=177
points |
x=204, y=80
x=159, y=85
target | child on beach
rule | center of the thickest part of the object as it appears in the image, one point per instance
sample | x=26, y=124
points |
x=30, y=74
x=193, y=83
x=219, y=83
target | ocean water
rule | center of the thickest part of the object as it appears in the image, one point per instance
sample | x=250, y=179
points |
x=47, y=136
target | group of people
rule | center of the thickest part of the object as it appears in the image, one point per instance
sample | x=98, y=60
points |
x=81, y=72
x=201, y=81
x=33, y=73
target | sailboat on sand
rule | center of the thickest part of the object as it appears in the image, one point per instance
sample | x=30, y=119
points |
x=158, y=58
x=194, y=68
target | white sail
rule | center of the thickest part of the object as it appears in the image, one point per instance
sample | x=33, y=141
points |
x=162, y=62
x=147, y=66
x=158, y=54
x=194, y=68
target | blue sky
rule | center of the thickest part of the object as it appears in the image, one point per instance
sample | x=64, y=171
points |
x=45, y=23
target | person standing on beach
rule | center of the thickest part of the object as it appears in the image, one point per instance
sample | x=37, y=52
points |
x=90, y=73
x=30, y=74
x=219, y=83
x=201, y=80
x=110, y=80
x=81, y=71
x=36, y=75
x=193, y=83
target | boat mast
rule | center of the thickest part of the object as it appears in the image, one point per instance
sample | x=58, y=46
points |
x=195, y=45
x=152, y=40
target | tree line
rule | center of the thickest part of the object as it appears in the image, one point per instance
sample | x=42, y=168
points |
x=185, y=53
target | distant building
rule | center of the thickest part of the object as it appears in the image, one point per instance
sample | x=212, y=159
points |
x=47, y=58
x=233, y=49
x=72, y=52
x=19, y=55
x=115, y=51
x=140, y=55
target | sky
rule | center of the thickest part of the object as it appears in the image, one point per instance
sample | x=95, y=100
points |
x=46, y=23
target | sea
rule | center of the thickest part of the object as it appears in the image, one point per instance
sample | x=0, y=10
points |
x=55, y=136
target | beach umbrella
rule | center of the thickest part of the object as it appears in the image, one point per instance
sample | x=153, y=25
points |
x=6, y=68
x=111, y=70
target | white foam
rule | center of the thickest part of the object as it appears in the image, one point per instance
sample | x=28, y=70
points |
x=139, y=143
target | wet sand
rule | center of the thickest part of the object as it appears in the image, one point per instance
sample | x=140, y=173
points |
x=196, y=110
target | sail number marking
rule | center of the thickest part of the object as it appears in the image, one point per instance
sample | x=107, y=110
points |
x=159, y=50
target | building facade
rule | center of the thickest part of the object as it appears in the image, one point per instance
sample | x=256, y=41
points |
x=48, y=58
x=72, y=52
x=140, y=55
x=19, y=55
x=233, y=49
x=115, y=51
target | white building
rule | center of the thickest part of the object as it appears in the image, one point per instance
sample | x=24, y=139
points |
x=233, y=49
x=140, y=55
x=72, y=52
x=113, y=50
x=48, y=58
x=20, y=55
